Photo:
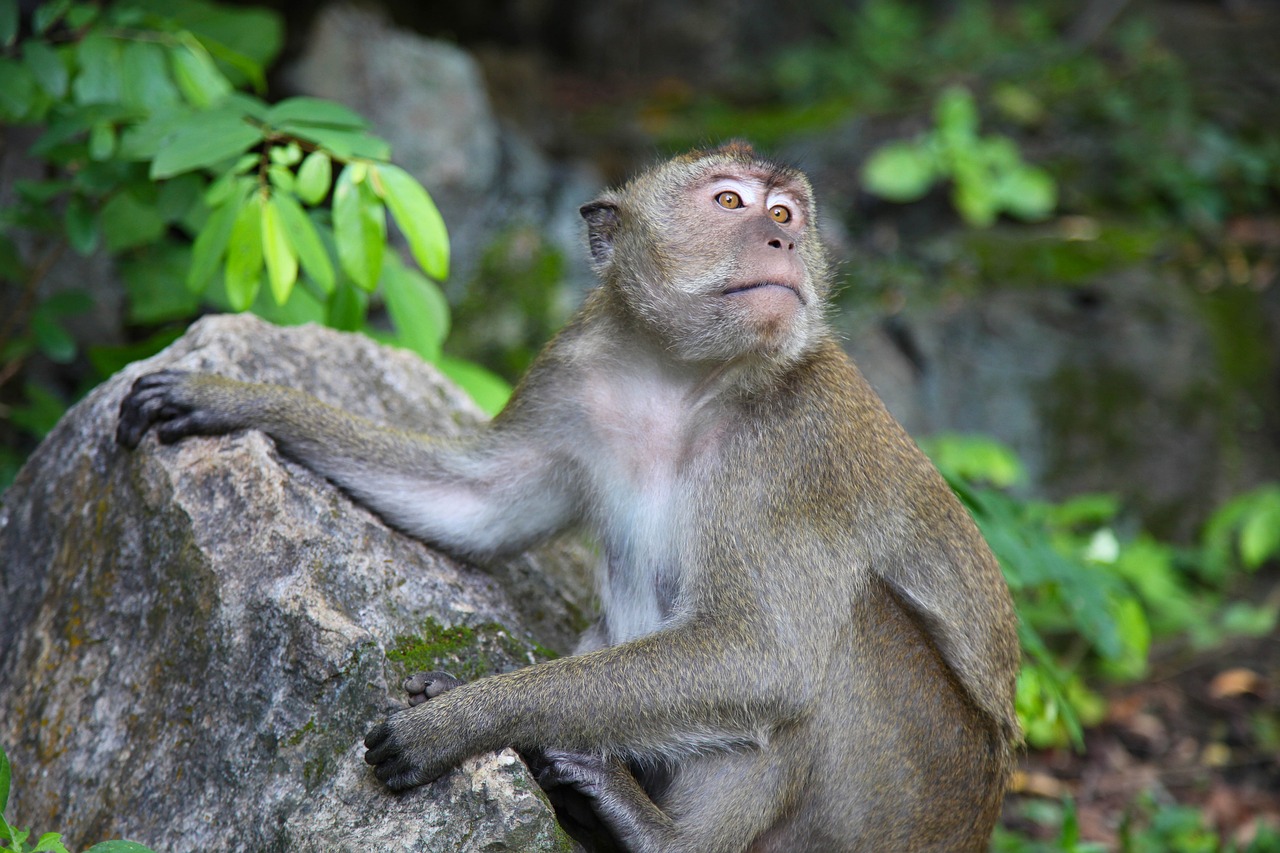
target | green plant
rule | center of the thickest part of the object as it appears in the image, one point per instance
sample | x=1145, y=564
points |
x=157, y=147
x=1090, y=598
x=15, y=840
x=987, y=174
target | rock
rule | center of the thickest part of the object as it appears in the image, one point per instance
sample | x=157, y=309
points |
x=196, y=637
x=1119, y=386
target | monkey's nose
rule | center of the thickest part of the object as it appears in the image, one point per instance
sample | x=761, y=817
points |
x=775, y=243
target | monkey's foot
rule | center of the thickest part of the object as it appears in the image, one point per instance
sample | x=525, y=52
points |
x=422, y=686
x=584, y=772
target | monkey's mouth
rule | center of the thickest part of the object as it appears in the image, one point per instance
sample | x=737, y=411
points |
x=758, y=285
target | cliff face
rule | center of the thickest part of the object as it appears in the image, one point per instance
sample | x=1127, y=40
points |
x=195, y=638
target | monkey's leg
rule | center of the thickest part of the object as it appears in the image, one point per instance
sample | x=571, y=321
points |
x=497, y=493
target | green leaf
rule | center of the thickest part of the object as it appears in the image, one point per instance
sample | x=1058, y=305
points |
x=153, y=280
x=207, y=139
x=99, y=80
x=489, y=390
x=956, y=116
x=145, y=140
x=6, y=773
x=128, y=221
x=244, y=256
x=255, y=33
x=343, y=143
x=314, y=176
x=50, y=842
x=281, y=177
x=180, y=197
x=900, y=171
x=347, y=308
x=211, y=243
x=317, y=112
x=49, y=13
x=282, y=260
x=118, y=847
x=301, y=307
x=360, y=228
x=417, y=216
x=102, y=141
x=144, y=72
x=285, y=155
x=418, y=309
x=1027, y=193
x=1260, y=534
x=302, y=233
x=251, y=70
x=17, y=95
x=8, y=24
x=52, y=339
x=976, y=202
x=80, y=17
x=199, y=79
x=82, y=231
x=47, y=67
x=17, y=837
x=976, y=458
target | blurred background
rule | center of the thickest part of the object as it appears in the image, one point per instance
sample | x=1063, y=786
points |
x=1057, y=227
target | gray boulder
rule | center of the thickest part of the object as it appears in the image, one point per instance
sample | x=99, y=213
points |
x=196, y=637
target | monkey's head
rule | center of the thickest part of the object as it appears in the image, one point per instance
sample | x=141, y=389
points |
x=716, y=253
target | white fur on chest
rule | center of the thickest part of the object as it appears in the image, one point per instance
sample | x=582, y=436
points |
x=643, y=435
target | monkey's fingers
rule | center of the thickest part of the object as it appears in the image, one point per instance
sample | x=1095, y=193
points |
x=422, y=686
x=149, y=401
x=584, y=772
x=391, y=763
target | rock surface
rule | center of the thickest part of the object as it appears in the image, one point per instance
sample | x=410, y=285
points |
x=196, y=637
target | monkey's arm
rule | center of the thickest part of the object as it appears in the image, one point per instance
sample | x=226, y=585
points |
x=697, y=686
x=700, y=688
x=495, y=494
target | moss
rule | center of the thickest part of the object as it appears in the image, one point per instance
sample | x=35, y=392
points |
x=468, y=652
x=296, y=737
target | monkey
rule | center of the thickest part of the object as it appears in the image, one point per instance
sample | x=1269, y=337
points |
x=804, y=642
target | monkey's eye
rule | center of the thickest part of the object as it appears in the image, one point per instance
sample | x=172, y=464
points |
x=780, y=213
x=729, y=199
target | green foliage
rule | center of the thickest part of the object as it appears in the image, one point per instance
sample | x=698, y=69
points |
x=987, y=174
x=154, y=151
x=1091, y=596
x=14, y=840
x=1147, y=827
x=1245, y=531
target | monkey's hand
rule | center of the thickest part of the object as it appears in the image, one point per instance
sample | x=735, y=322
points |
x=177, y=404
x=422, y=686
x=403, y=749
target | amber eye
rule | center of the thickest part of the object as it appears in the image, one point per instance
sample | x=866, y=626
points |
x=729, y=199
x=780, y=213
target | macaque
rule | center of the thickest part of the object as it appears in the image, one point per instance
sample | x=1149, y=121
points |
x=804, y=644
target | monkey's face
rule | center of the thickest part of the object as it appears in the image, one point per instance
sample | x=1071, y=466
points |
x=718, y=255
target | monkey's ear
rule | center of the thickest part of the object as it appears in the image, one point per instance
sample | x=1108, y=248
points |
x=603, y=221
